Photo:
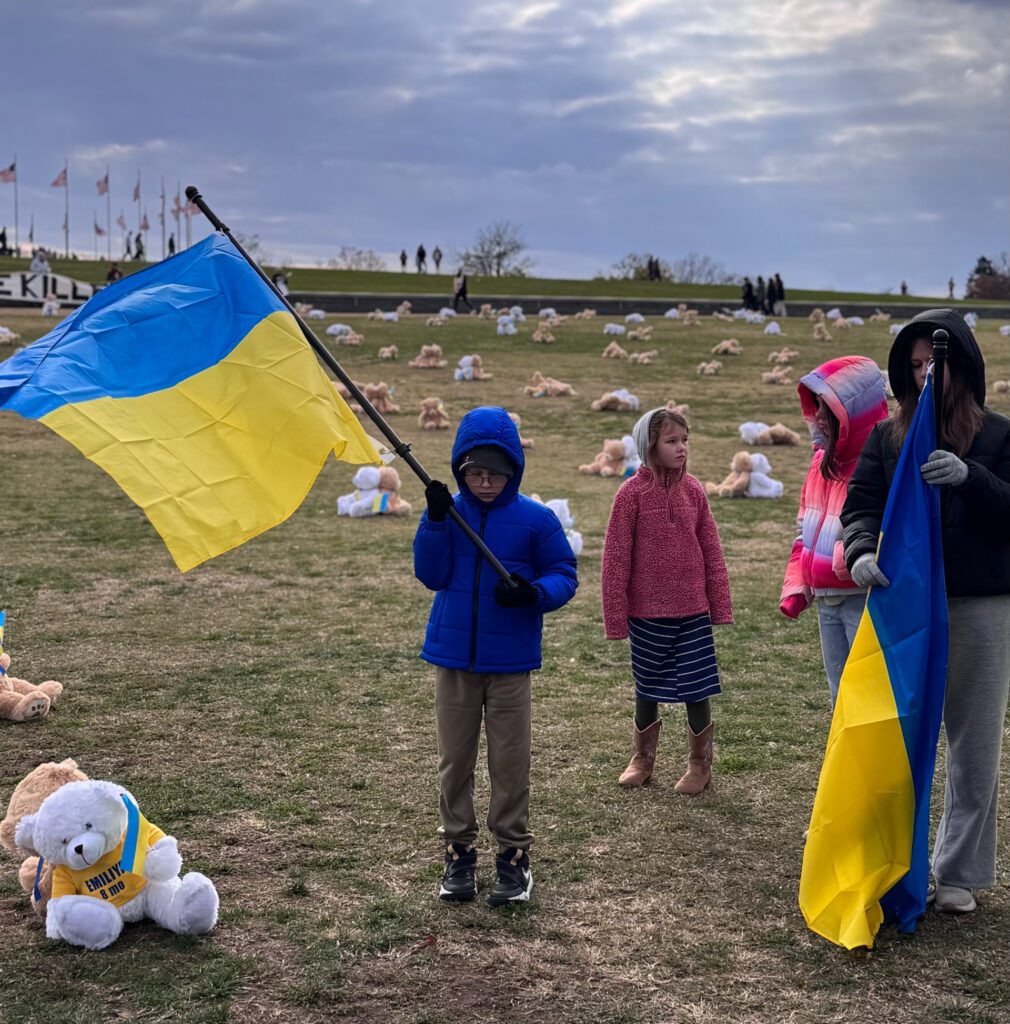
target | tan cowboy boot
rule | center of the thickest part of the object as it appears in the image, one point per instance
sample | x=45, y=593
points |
x=699, y=762
x=639, y=769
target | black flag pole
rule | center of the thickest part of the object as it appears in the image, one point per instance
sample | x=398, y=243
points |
x=940, y=338
x=401, y=448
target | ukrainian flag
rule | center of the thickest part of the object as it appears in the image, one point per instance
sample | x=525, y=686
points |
x=192, y=386
x=866, y=857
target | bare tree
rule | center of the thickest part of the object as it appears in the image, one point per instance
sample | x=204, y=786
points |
x=696, y=268
x=635, y=267
x=990, y=279
x=351, y=257
x=498, y=249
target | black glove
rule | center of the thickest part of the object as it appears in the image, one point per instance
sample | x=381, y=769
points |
x=525, y=595
x=439, y=501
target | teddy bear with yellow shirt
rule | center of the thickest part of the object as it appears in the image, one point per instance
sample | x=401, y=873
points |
x=110, y=867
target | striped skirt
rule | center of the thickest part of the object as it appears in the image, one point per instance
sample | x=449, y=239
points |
x=673, y=660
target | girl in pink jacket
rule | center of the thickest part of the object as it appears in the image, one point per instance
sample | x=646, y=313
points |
x=664, y=585
x=841, y=402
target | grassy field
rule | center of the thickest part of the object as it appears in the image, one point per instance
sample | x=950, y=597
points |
x=270, y=711
x=317, y=279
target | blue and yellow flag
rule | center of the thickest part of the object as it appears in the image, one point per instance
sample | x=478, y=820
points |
x=866, y=856
x=192, y=386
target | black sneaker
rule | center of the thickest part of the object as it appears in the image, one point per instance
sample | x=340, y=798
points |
x=459, y=881
x=515, y=880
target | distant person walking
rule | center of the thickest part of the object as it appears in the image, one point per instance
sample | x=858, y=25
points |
x=403, y=261
x=748, y=294
x=779, y=309
x=760, y=296
x=171, y=245
x=3, y=241
x=138, y=247
x=771, y=295
x=422, y=260
x=459, y=291
x=436, y=255
x=128, y=247
x=280, y=283
x=950, y=288
x=904, y=288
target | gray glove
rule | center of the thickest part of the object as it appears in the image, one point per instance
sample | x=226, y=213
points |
x=944, y=468
x=866, y=573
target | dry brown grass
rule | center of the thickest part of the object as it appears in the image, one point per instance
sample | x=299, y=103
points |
x=269, y=710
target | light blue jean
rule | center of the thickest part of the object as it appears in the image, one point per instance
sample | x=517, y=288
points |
x=838, y=623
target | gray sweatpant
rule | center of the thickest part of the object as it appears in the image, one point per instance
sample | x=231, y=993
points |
x=978, y=678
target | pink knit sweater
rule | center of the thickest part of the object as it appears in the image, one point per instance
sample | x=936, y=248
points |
x=661, y=556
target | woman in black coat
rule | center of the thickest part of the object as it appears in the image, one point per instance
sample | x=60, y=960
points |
x=972, y=468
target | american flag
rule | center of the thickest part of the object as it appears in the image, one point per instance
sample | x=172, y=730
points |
x=176, y=208
x=144, y=225
x=99, y=230
x=121, y=221
x=103, y=184
x=9, y=174
x=60, y=181
x=136, y=190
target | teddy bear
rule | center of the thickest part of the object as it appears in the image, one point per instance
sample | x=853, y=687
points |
x=363, y=501
x=761, y=433
x=435, y=321
x=542, y=335
x=709, y=369
x=525, y=442
x=381, y=397
x=681, y=408
x=345, y=394
x=621, y=400
x=111, y=866
x=21, y=701
x=821, y=332
x=880, y=317
x=689, y=318
x=1001, y=387
x=433, y=415
x=729, y=347
x=388, y=352
x=761, y=485
x=36, y=878
x=376, y=314
x=782, y=356
x=471, y=368
x=643, y=358
x=404, y=308
x=816, y=315
x=614, y=329
x=640, y=334
x=486, y=312
x=548, y=387
x=608, y=462
x=614, y=351
x=735, y=485
x=390, y=502
x=429, y=358
x=780, y=375
x=585, y=314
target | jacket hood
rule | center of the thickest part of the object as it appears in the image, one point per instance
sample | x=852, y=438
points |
x=963, y=355
x=640, y=433
x=852, y=387
x=489, y=424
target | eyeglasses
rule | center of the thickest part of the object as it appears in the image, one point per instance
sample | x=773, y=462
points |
x=474, y=476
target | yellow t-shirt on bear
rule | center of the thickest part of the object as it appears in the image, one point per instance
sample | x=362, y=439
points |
x=108, y=878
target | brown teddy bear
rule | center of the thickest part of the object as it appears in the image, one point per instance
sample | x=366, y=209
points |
x=381, y=397
x=547, y=387
x=526, y=442
x=780, y=375
x=542, y=335
x=21, y=701
x=643, y=358
x=821, y=332
x=709, y=369
x=609, y=462
x=429, y=358
x=681, y=408
x=389, y=485
x=616, y=401
x=735, y=485
x=388, y=352
x=614, y=351
x=433, y=415
x=729, y=347
x=782, y=356
x=777, y=433
x=27, y=799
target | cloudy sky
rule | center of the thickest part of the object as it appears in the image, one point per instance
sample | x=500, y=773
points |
x=843, y=143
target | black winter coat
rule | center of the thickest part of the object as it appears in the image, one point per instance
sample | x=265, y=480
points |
x=975, y=516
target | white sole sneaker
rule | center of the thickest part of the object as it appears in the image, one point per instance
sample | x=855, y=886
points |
x=952, y=899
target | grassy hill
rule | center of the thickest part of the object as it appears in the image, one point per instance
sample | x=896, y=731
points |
x=318, y=279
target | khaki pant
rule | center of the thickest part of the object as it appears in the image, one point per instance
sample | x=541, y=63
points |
x=462, y=699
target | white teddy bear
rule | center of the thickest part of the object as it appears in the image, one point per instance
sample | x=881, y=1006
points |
x=364, y=501
x=631, y=459
x=614, y=329
x=760, y=484
x=559, y=506
x=111, y=866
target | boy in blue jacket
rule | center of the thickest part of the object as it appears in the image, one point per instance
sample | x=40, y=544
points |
x=483, y=638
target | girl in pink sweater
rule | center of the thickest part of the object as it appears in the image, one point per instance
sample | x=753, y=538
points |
x=664, y=585
x=841, y=401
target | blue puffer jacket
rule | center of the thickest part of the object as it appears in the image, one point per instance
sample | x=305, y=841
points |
x=467, y=628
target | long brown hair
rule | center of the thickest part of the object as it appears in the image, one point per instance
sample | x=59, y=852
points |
x=656, y=427
x=829, y=464
x=962, y=415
